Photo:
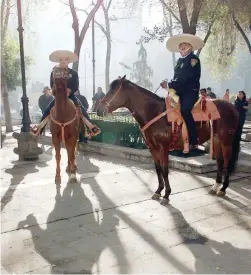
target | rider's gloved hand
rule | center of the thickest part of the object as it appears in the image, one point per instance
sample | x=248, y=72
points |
x=164, y=84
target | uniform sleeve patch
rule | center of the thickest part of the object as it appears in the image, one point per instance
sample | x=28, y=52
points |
x=194, y=62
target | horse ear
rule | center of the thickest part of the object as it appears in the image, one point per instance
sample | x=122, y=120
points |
x=119, y=77
x=124, y=77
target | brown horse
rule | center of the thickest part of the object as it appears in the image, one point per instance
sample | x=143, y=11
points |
x=145, y=106
x=64, y=124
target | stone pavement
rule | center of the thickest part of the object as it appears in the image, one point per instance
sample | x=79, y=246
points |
x=107, y=223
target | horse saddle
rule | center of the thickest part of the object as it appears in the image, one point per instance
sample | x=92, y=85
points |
x=204, y=110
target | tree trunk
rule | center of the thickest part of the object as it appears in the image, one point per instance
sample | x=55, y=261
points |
x=4, y=88
x=195, y=16
x=5, y=98
x=75, y=26
x=183, y=16
x=79, y=36
x=108, y=49
x=240, y=29
x=76, y=64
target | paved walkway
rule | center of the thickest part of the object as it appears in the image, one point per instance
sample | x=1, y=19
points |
x=107, y=223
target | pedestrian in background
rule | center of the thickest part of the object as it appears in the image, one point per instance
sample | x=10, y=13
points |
x=45, y=99
x=210, y=93
x=226, y=95
x=241, y=106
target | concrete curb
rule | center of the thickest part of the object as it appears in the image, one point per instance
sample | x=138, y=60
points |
x=197, y=165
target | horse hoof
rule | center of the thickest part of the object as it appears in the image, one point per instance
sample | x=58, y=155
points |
x=58, y=180
x=212, y=192
x=72, y=178
x=221, y=194
x=156, y=196
x=164, y=201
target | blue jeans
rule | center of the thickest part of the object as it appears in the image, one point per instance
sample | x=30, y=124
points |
x=72, y=97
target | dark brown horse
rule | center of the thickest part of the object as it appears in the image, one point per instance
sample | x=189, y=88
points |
x=145, y=106
x=64, y=124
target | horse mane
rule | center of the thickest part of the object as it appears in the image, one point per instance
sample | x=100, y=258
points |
x=148, y=93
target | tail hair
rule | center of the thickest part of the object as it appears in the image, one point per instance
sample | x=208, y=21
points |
x=235, y=150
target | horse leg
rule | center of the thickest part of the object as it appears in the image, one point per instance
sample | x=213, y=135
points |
x=219, y=157
x=58, y=159
x=165, y=172
x=227, y=151
x=72, y=164
x=218, y=182
x=158, y=169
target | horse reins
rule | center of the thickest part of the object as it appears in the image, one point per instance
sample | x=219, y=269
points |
x=62, y=125
x=107, y=104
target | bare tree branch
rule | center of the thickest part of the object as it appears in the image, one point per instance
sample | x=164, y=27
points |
x=206, y=37
x=75, y=26
x=2, y=13
x=170, y=10
x=88, y=20
x=240, y=29
x=98, y=24
x=195, y=15
x=108, y=6
x=101, y=27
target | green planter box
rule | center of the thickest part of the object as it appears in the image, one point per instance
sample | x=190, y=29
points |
x=120, y=131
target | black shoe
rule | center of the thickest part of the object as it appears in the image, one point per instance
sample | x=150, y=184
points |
x=194, y=152
x=83, y=141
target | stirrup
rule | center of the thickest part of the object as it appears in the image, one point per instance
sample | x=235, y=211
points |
x=93, y=134
x=35, y=131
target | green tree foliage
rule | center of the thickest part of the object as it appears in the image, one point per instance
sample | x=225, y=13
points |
x=13, y=64
x=141, y=71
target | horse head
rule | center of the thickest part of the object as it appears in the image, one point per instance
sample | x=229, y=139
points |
x=60, y=77
x=115, y=98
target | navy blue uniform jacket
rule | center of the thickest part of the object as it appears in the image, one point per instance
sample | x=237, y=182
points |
x=187, y=74
x=72, y=83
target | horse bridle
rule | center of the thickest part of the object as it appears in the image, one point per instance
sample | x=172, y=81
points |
x=107, y=104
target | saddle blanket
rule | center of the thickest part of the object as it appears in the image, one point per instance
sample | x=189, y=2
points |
x=203, y=110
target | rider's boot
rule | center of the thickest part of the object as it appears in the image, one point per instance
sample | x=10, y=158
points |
x=93, y=128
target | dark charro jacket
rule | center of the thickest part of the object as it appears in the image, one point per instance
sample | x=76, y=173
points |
x=187, y=74
x=72, y=83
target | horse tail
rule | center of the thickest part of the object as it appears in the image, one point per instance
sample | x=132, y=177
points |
x=235, y=149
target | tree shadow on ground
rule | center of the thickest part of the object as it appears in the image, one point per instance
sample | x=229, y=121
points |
x=18, y=173
x=211, y=257
x=76, y=234
x=76, y=241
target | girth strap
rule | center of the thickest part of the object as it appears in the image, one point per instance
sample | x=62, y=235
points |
x=62, y=125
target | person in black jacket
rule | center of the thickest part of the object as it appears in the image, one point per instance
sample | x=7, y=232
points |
x=45, y=99
x=241, y=106
x=64, y=57
x=82, y=99
x=186, y=80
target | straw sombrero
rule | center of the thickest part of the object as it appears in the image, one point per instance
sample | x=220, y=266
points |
x=173, y=42
x=55, y=56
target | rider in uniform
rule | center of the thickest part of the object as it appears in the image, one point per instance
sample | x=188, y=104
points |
x=186, y=80
x=64, y=57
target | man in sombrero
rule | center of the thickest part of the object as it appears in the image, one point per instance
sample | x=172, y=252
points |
x=64, y=58
x=185, y=85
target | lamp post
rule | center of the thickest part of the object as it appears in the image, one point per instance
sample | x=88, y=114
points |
x=93, y=56
x=25, y=101
x=27, y=144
